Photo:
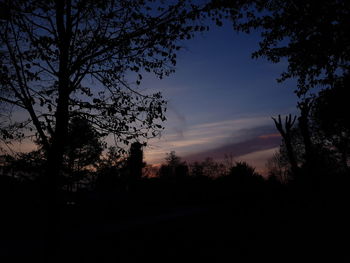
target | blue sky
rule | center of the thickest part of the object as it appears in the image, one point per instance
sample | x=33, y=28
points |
x=219, y=97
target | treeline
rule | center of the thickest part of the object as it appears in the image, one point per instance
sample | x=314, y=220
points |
x=286, y=210
x=93, y=173
x=88, y=165
x=111, y=173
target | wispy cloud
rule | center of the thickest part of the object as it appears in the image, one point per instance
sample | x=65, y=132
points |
x=208, y=137
x=239, y=149
x=258, y=159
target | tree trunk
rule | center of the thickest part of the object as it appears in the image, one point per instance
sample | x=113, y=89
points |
x=290, y=154
x=56, y=151
x=305, y=133
x=54, y=175
x=344, y=151
x=287, y=137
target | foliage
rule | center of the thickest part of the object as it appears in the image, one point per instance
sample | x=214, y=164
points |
x=174, y=168
x=242, y=169
x=62, y=59
x=331, y=118
x=172, y=159
x=23, y=166
x=278, y=168
x=116, y=171
x=207, y=168
x=108, y=175
x=241, y=178
x=324, y=153
x=84, y=145
x=311, y=35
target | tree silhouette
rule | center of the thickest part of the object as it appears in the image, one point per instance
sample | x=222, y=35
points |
x=65, y=58
x=174, y=168
x=134, y=164
x=61, y=59
x=24, y=166
x=311, y=35
x=311, y=149
x=83, y=149
x=207, y=168
x=242, y=177
x=84, y=145
x=135, y=160
x=331, y=118
x=286, y=133
x=316, y=48
x=242, y=169
x=278, y=167
x=304, y=126
x=109, y=171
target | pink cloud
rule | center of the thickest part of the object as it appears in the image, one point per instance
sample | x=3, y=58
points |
x=260, y=143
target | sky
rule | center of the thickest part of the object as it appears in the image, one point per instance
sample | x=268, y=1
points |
x=220, y=101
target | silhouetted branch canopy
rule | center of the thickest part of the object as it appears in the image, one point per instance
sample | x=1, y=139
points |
x=312, y=36
x=87, y=58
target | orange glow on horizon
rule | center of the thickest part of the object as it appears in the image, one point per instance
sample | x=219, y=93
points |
x=268, y=136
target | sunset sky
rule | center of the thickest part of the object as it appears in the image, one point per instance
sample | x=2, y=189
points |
x=220, y=101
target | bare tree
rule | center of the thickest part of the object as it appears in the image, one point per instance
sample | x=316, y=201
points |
x=285, y=131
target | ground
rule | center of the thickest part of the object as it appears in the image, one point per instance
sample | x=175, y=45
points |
x=235, y=231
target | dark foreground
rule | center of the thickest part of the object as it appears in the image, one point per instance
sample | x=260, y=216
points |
x=248, y=227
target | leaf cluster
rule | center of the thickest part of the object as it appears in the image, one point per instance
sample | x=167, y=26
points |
x=312, y=36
